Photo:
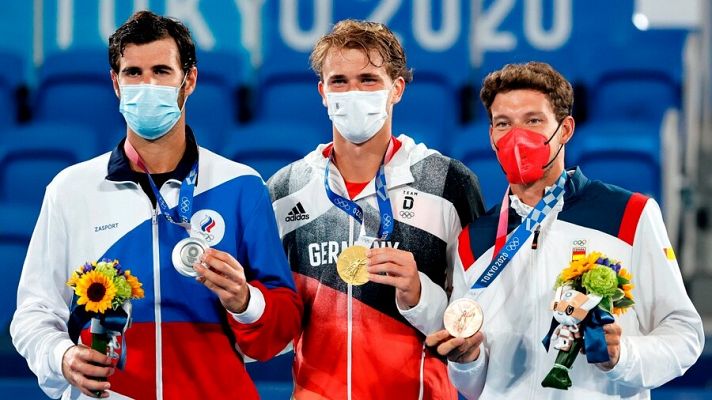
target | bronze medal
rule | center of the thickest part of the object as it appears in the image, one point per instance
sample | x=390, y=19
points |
x=463, y=318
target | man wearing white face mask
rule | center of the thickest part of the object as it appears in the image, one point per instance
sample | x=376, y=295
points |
x=549, y=217
x=371, y=225
x=149, y=203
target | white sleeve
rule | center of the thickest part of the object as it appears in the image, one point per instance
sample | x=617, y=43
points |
x=469, y=378
x=255, y=307
x=427, y=315
x=39, y=326
x=673, y=337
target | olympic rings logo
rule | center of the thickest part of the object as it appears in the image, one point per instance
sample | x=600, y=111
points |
x=341, y=203
x=514, y=244
x=407, y=214
x=386, y=220
x=184, y=204
x=579, y=243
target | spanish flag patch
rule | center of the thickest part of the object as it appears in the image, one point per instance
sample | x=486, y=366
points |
x=578, y=253
x=669, y=253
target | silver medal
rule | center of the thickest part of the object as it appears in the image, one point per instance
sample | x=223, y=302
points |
x=186, y=253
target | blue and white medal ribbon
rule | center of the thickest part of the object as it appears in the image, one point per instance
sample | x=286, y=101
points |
x=385, y=228
x=183, y=211
x=187, y=251
x=505, y=251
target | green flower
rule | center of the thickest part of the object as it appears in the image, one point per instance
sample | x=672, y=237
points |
x=601, y=281
x=123, y=289
x=106, y=269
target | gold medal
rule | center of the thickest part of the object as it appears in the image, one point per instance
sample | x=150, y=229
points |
x=463, y=318
x=351, y=265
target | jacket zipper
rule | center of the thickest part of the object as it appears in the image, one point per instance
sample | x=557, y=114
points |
x=535, y=240
x=535, y=269
x=157, y=305
x=349, y=322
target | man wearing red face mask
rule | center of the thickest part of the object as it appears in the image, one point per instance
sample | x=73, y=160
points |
x=550, y=216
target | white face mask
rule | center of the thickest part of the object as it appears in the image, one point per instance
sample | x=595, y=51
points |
x=358, y=115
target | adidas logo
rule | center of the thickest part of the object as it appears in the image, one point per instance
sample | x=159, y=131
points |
x=297, y=214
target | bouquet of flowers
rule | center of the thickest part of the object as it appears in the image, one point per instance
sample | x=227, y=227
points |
x=102, y=294
x=588, y=291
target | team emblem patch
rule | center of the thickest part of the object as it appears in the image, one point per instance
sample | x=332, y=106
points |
x=578, y=249
x=209, y=225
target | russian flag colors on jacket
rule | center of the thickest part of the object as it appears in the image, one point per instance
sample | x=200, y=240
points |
x=183, y=344
x=661, y=334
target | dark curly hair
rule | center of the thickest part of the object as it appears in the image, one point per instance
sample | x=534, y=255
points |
x=146, y=27
x=537, y=76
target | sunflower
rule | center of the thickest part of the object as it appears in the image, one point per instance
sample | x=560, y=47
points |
x=579, y=267
x=95, y=291
x=74, y=279
x=136, y=290
x=623, y=273
x=628, y=290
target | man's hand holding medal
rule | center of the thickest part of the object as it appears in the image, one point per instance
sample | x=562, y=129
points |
x=460, y=340
x=223, y=275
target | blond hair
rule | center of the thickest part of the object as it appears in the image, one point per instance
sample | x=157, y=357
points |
x=366, y=36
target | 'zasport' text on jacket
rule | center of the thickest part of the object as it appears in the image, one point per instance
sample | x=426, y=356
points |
x=183, y=344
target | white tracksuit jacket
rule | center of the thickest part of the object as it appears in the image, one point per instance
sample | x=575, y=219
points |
x=662, y=333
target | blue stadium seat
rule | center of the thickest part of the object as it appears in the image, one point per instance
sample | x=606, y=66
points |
x=10, y=79
x=31, y=155
x=292, y=97
x=421, y=133
x=641, y=95
x=268, y=146
x=15, y=233
x=214, y=104
x=625, y=154
x=471, y=145
x=287, y=88
x=429, y=105
x=75, y=87
x=639, y=78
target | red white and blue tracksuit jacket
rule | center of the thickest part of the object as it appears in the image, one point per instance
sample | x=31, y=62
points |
x=183, y=344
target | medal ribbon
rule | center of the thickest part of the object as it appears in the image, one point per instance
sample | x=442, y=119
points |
x=182, y=213
x=385, y=228
x=506, y=249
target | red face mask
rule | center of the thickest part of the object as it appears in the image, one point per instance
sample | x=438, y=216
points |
x=524, y=155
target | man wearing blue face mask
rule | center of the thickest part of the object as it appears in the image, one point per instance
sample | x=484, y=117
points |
x=198, y=230
x=371, y=224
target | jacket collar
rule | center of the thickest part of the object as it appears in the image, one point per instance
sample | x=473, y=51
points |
x=119, y=169
x=576, y=185
x=397, y=170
